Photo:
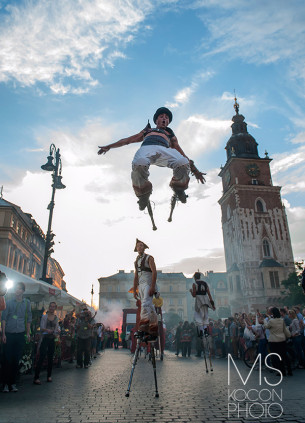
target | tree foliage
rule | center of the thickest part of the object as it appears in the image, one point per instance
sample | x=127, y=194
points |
x=171, y=320
x=294, y=294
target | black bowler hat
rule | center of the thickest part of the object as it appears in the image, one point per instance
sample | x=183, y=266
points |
x=162, y=110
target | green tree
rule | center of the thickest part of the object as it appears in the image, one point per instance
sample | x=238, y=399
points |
x=293, y=293
x=171, y=320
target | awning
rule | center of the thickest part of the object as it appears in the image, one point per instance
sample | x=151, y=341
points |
x=38, y=291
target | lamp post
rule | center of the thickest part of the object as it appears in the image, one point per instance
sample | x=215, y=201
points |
x=57, y=184
x=92, y=293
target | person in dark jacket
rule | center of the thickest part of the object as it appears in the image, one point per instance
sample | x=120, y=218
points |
x=178, y=338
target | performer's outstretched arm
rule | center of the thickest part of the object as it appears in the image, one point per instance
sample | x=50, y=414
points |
x=125, y=141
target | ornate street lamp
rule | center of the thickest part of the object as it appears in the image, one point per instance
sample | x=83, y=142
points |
x=57, y=184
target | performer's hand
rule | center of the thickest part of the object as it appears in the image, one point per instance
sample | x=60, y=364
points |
x=103, y=150
x=198, y=175
x=146, y=129
x=152, y=290
x=4, y=339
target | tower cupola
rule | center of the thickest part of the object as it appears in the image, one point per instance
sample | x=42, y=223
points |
x=241, y=143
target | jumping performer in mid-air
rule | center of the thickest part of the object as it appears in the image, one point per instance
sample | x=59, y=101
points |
x=161, y=148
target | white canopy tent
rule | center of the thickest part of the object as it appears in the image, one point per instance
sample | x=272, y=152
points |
x=39, y=292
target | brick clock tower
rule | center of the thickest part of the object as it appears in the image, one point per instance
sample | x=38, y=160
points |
x=256, y=236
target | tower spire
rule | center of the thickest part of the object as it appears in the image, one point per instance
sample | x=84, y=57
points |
x=236, y=105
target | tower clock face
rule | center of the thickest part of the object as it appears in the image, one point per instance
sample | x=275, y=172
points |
x=252, y=169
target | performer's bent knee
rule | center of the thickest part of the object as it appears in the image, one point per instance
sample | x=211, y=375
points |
x=182, y=161
x=140, y=161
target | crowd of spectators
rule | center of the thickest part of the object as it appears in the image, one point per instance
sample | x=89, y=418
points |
x=33, y=340
x=271, y=330
x=29, y=343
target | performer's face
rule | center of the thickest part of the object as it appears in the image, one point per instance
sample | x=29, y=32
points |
x=162, y=121
x=140, y=248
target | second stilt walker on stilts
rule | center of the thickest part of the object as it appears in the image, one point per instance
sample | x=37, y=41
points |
x=203, y=301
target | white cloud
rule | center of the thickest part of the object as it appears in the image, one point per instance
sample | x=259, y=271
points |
x=63, y=40
x=184, y=94
x=299, y=138
x=261, y=33
x=296, y=220
x=287, y=170
x=198, y=134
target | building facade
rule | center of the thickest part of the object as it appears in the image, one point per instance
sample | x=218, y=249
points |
x=256, y=236
x=22, y=244
x=174, y=289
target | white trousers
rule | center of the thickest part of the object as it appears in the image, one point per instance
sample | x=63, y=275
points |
x=148, y=311
x=162, y=157
x=201, y=317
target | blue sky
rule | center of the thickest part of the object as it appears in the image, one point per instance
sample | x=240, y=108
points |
x=83, y=74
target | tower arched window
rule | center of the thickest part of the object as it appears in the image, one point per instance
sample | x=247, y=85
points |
x=266, y=248
x=260, y=205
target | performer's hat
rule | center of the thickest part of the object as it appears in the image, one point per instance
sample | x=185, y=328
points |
x=162, y=110
x=138, y=240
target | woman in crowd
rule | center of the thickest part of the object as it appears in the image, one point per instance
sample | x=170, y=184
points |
x=295, y=330
x=278, y=333
x=49, y=328
x=186, y=339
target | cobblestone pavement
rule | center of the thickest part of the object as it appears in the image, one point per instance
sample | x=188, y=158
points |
x=187, y=393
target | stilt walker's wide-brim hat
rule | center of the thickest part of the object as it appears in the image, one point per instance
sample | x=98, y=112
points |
x=162, y=110
x=138, y=240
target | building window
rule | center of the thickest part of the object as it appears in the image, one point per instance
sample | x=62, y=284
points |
x=180, y=312
x=118, y=288
x=274, y=279
x=238, y=287
x=170, y=289
x=231, y=284
x=171, y=302
x=15, y=261
x=13, y=221
x=266, y=248
x=180, y=301
x=260, y=205
x=109, y=288
x=228, y=212
x=218, y=302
